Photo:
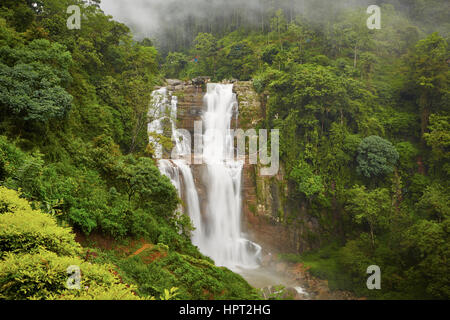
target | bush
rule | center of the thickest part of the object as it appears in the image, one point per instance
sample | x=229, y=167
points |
x=35, y=254
x=23, y=229
x=198, y=279
x=44, y=275
x=11, y=202
x=307, y=182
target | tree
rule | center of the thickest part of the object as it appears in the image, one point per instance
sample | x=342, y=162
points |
x=428, y=248
x=435, y=202
x=307, y=182
x=429, y=75
x=175, y=64
x=350, y=35
x=32, y=81
x=376, y=157
x=22, y=16
x=439, y=140
x=371, y=207
x=205, y=45
x=238, y=61
x=278, y=25
x=141, y=180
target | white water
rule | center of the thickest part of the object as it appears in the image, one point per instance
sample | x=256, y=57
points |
x=218, y=231
x=223, y=239
x=162, y=110
x=175, y=169
x=159, y=100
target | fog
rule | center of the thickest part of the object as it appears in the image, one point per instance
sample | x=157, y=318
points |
x=176, y=22
x=148, y=16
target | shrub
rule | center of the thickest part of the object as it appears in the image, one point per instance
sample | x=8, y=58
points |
x=35, y=254
x=23, y=229
x=376, y=157
x=44, y=275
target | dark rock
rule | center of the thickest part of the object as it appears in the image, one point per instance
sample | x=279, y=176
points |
x=200, y=81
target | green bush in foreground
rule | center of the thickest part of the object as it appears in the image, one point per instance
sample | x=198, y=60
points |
x=36, y=253
x=44, y=275
x=24, y=230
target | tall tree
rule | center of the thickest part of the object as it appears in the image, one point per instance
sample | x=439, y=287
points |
x=430, y=75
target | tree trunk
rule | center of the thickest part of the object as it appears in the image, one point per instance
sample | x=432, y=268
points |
x=424, y=119
x=372, y=237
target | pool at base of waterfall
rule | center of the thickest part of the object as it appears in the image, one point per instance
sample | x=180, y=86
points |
x=268, y=279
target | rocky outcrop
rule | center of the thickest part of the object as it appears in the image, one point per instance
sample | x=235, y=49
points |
x=190, y=103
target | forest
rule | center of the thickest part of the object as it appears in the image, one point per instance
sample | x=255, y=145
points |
x=364, y=120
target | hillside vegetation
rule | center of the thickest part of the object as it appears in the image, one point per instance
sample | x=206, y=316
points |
x=73, y=142
x=364, y=123
x=364, y=117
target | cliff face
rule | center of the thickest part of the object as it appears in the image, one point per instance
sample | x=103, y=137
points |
x=270, y=218
x=190, y=101
x=190, y=109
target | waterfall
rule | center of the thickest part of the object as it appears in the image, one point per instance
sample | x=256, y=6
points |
x=175, y=169
x=159, y=100
x=224, y=242
x=218, y=231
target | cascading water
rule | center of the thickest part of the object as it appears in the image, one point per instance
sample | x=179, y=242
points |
x=223, y=240
x=218, y=231
x=159, y=100
x=177, y=170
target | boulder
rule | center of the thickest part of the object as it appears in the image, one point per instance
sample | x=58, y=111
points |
x=200, y=81
x=291, y=293
x=174, y=82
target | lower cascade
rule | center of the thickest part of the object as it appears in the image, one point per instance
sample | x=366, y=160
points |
x=217, y=232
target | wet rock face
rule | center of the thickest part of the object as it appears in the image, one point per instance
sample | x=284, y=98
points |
x=265, y=205
x=199, y=172
x=174, y=82
x=190, y=104
x=250, y=109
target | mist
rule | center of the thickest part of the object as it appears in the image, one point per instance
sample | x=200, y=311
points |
x=175, y=23
x=152, y=18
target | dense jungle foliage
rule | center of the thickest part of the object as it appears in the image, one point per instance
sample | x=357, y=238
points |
x=365, y=137
x=364, y=121
x=73, y=142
